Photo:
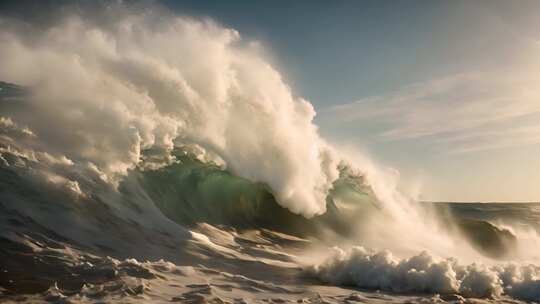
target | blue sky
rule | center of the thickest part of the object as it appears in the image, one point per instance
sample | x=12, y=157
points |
x=444, y=91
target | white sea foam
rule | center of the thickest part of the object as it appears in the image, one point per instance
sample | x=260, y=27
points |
x=424, y=273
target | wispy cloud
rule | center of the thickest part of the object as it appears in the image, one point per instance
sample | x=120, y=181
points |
x=463, y=113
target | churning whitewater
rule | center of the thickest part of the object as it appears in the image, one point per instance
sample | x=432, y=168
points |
x=150, y=157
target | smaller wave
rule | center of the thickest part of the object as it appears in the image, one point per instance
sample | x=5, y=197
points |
x=488, y=239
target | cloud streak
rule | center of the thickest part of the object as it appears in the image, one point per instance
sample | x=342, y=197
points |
x=461, y=113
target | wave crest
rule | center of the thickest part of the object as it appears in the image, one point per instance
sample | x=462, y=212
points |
x=104, y=92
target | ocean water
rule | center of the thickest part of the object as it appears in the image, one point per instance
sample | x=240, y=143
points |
x=146, y=157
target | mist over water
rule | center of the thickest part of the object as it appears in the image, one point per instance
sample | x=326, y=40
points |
x=168, y=122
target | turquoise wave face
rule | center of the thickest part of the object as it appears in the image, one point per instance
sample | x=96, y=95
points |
x=190, y=191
